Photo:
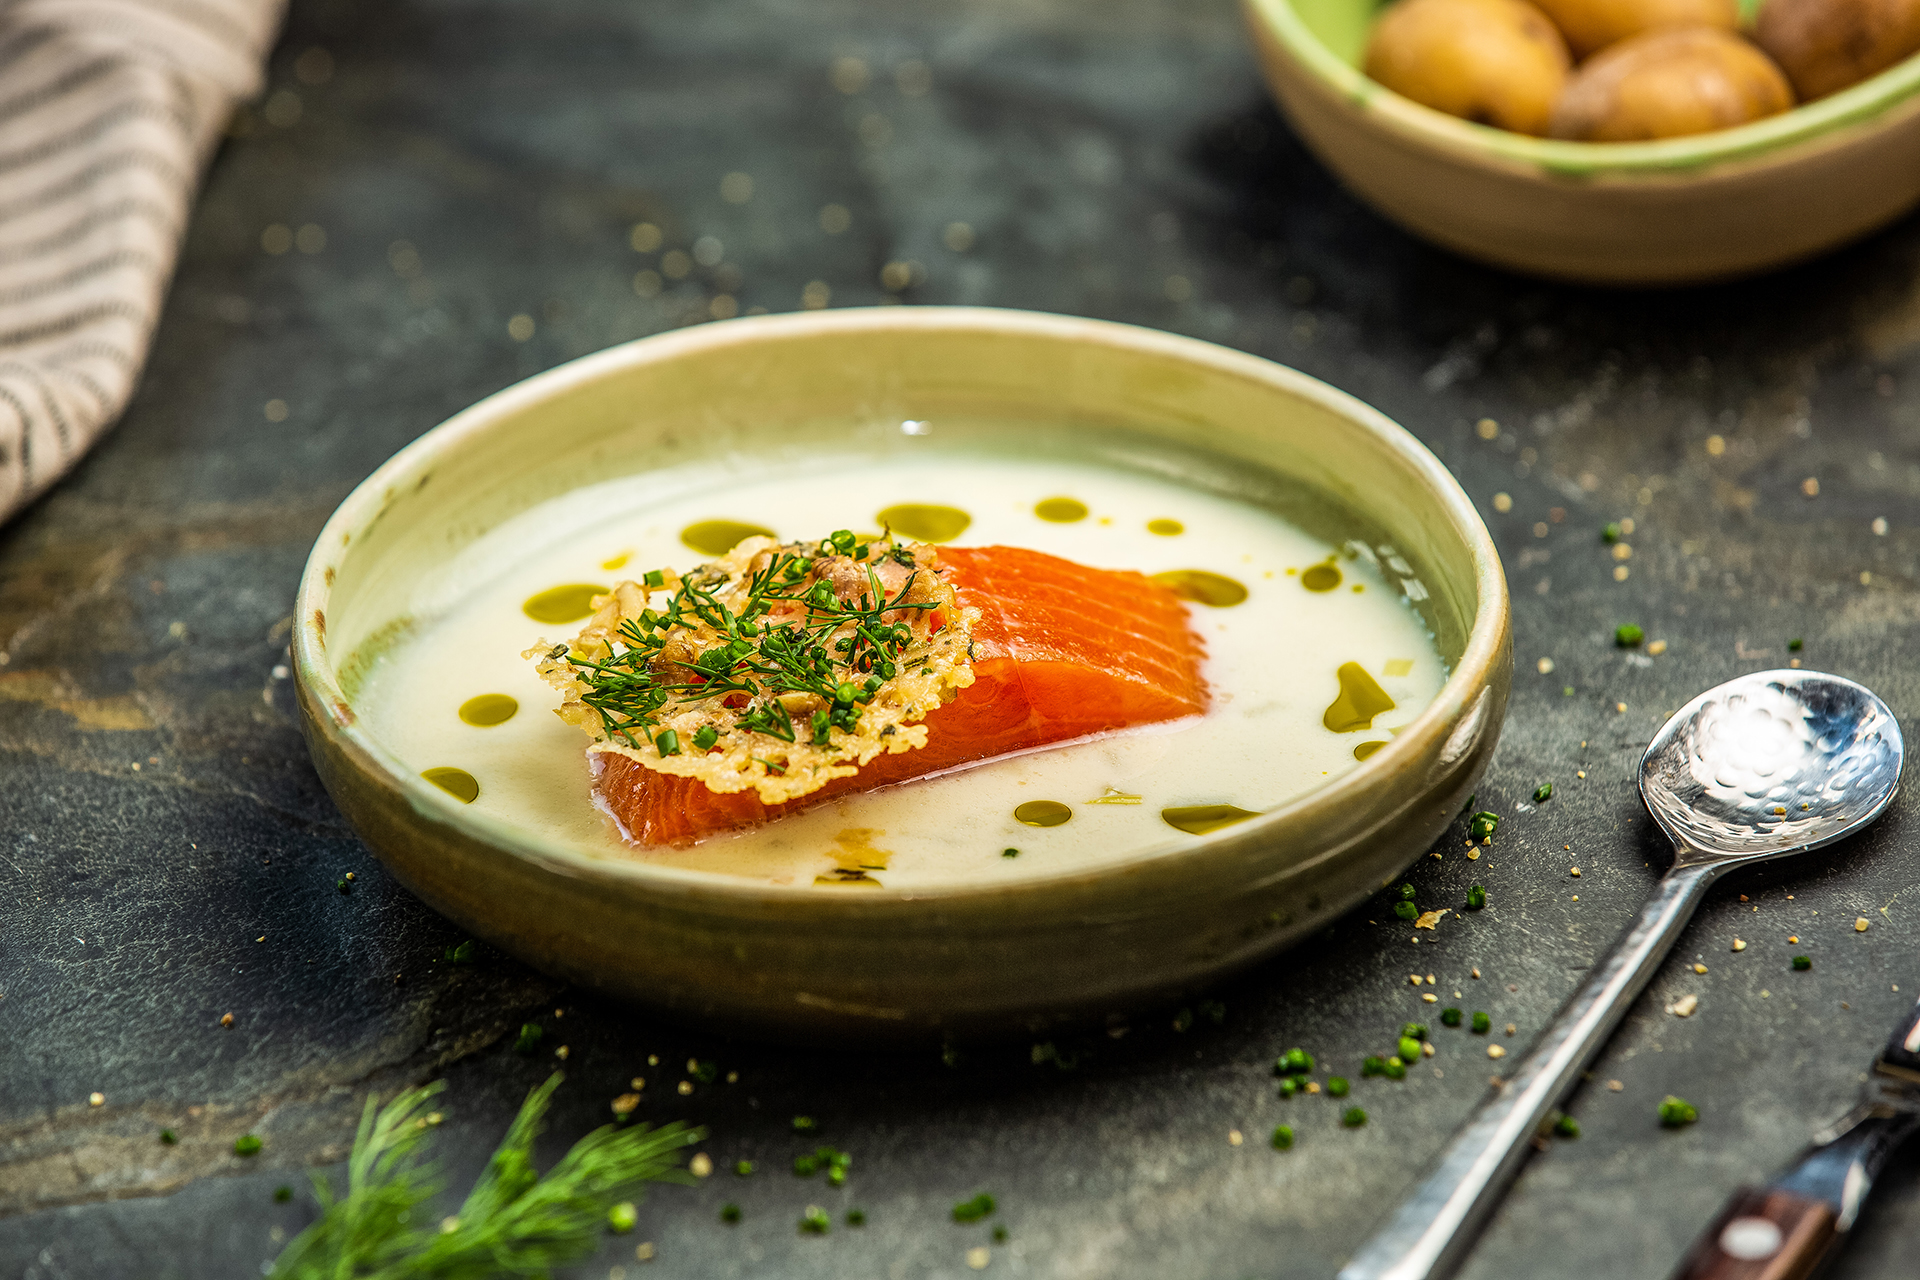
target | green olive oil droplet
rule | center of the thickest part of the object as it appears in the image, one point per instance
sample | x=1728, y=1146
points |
x=1322, y=577
x=1060, y=510
x=1165, y=528
x=1042, y=813
x=1199, y=819
x=1361, y=699
x=717, y=537
x=488, y=709
x=924, y=522
x=457, y=783
x=568, y=603
x=1366, y=749
x=1202, y=587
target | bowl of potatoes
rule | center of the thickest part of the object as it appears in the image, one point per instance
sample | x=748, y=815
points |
x=1626, y=142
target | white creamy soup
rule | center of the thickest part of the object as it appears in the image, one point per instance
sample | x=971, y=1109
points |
x=1273, y=662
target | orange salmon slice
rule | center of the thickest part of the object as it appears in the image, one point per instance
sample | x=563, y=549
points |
x=1060, y=651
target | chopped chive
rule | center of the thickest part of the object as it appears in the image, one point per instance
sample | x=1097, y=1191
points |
x=1803, y=962
x=1450, y=1017
x=1407, y=892
x=1409, y=1049
x=1395, y=1069
x=1627, y=635
x=743, y=1168
x=1610, y=533
x=169, y=1137
x=730, y=1212
x=1289, y=1087
x=1675, y=1112
x=806, y=1166
x=1183, y=1020
x=1353, y=1117
x=1483, y=825
x=529, y=1039
x=282, y=1194
x=246, y=1145
x=1543, y=793
x=803, y=1124
x=1294, y=1062
x=705, y=736
x=1418, y=1030
x=1795, y=645
x=466, y=953
x=622, y=1217
x=1373, y=1066
x=668, y=743
x=1567, y=1127
x=1406, y=910
x=653, y=578
x=1476, y=898
x=814, y=1221
x=856, y=1217
x=973, y=1210
x=1481, y=1024
x=1282, y=1137
x=1337, y=1086
x=1009, y=853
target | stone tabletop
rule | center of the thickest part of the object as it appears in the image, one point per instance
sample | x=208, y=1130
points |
x=439, y=197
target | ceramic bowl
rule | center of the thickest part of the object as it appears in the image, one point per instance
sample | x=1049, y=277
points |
x=1707, y=207
x=797, y=962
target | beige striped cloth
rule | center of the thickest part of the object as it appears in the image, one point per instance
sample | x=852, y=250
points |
x=108, y=110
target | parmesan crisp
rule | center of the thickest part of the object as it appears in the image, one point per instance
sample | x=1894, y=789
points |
x=778, y=667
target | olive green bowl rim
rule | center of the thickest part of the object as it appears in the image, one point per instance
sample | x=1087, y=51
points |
x=325, y=698
x=1860, y=104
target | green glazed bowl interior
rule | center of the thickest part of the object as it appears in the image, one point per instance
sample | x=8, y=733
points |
x=1330, y=37
x=887, y=963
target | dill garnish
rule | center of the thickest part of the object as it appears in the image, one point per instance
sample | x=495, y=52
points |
x=515, y=1221
x=839, y=650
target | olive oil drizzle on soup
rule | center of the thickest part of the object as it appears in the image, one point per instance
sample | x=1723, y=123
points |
x=1259, y=591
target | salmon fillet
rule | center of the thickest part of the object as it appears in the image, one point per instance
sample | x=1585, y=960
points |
x=1060, y=651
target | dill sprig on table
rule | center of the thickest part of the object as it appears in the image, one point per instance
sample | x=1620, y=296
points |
x=838, y=651
x=515, y=1222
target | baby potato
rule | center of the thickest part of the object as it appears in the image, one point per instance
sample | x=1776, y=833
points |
x=1592, y=25
x=1668, y=83
x=1826, y=45
x=1497, y=62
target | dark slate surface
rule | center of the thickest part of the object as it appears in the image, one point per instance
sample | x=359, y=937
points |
x=158, y=816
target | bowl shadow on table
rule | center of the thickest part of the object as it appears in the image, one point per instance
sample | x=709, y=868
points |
x=1277, y=209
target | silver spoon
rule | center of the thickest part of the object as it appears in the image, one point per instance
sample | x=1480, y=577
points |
x=1770, y=764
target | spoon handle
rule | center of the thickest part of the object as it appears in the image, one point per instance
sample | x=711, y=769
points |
x=1429, y=1236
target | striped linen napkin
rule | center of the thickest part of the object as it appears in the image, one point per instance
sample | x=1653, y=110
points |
x=108, y=110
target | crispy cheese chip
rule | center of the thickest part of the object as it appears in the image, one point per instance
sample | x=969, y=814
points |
x=778, y=667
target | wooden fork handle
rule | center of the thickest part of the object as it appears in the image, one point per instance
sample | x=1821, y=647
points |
x=1763, y=1234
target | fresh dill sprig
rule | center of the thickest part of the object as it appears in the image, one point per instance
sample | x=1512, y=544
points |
x=515, y=1222
x=833, y=650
